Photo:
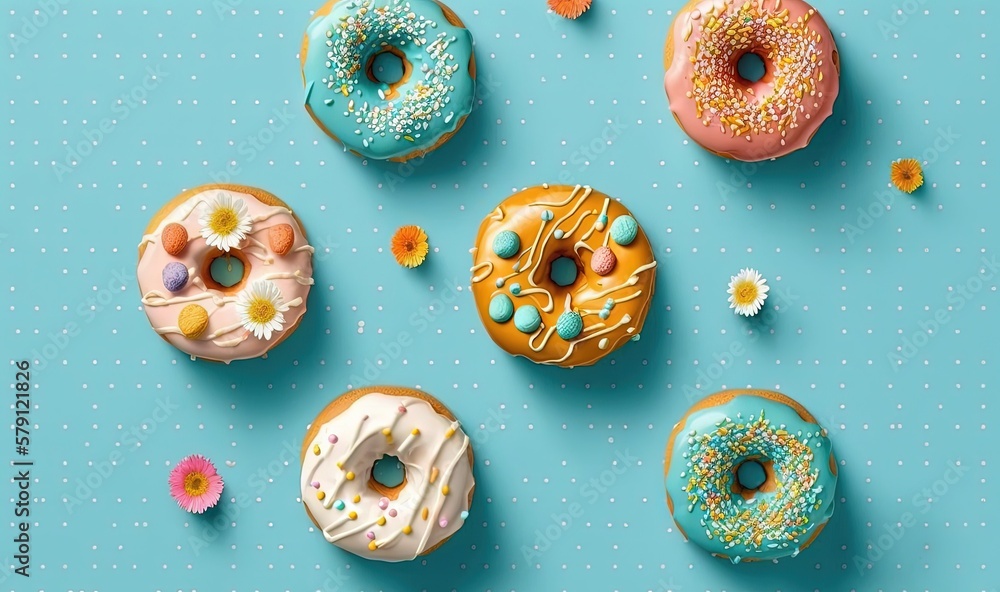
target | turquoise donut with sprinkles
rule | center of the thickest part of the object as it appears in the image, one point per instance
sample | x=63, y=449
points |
x=750, y=475
x=379, y=118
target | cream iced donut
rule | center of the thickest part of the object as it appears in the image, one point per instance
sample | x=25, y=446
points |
x=387, y=521
x=562, y=275
x=730, y=115
x=225, y=272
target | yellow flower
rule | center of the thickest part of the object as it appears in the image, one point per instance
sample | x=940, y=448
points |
x=570, y=9
x=409, y=246
x=907, y=174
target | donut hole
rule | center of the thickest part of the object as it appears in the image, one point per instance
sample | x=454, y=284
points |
x=225, y=271
x=388, y=476
x=389, y=67
x=753, y=475
x=751, y=67
x=565, y=271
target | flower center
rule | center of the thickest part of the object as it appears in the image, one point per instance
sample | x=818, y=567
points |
x=261, y=311
x=224, y=221
x=195, y=484
x=745, y=293
x=410, y=246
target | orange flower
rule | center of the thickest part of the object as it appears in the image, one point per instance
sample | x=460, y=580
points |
x=569, y=8
x=409, y=246
x=907, y=174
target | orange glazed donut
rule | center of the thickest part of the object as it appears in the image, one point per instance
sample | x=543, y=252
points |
x=562, y=275
x=737, y=118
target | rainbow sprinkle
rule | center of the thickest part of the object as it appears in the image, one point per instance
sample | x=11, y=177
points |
x=775, y=519
x=791, y=49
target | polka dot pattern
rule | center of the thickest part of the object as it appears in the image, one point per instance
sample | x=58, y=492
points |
x=881, y=308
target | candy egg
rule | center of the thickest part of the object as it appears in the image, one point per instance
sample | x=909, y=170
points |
x=603, y=261
x=175, y=276
x=624, y=230
x=569, y=324
x=174, y=238
x=281, y=238
x=506, y=244
x=192, y=321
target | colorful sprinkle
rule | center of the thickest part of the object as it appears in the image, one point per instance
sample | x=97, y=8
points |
x=383, y=503
x=370, y=535
x=332, y=439
x=465, y=514
x=353, y=515
x=392, y=513
x=316, y=449
x=349, y=476
x=320, y=495
x=407, y=529
x=547, y=215
x=443, y=523
x=380, y=521
x=339, y=504
x=315, y=484
x=515, y=288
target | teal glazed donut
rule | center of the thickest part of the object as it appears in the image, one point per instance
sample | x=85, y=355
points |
x=750, y=475
x=397, y=121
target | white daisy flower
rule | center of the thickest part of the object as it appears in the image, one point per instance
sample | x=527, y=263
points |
x=260, y=307
x=747, y=292
x=225, y=221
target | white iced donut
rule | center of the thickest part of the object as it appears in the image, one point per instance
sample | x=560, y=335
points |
x=367, y=518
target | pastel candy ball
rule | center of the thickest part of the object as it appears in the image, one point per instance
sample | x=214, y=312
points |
x=339, y=504
x=501, y=308
x=624, y=230
x=515, y=288
x=174, y=238
x=281, y=238
x=604, y=260
x=569, y=325
x=175, y=276
x=527, y=319
x=506, y=244
x=192, y=321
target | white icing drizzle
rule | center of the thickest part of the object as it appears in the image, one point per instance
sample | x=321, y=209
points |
x=488, y=265
x=633, y=278
x=545, y=340
x=251, y=246
x=497, y=214
x=367, y=417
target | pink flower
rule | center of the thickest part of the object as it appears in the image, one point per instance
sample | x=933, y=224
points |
x=195, y=484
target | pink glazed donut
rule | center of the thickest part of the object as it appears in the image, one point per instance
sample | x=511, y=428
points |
x=736, y=118
x=188, y=248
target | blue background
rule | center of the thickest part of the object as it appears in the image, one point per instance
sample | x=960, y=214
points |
x=856, y=277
